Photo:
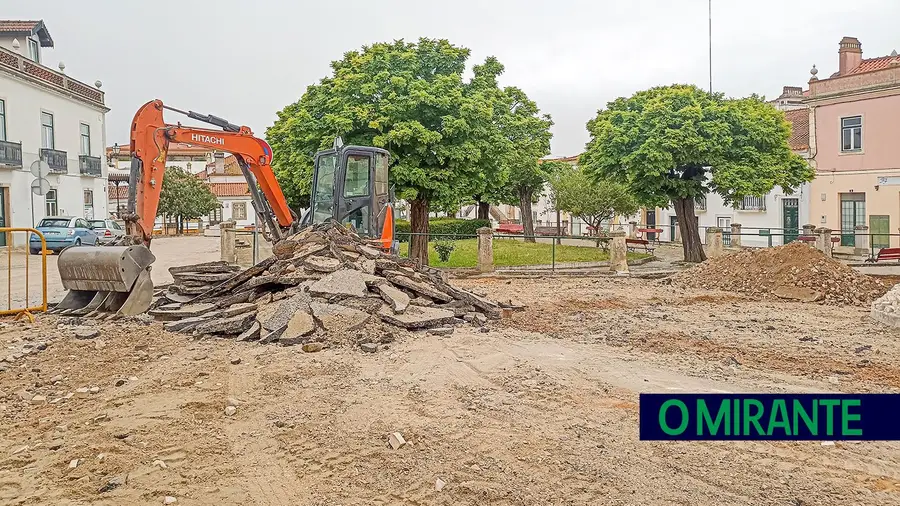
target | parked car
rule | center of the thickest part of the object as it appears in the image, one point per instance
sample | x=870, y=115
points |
x=107, y=230
x=60, y=232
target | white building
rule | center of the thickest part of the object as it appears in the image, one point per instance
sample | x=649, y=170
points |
x=227, y=182
x=45, y=114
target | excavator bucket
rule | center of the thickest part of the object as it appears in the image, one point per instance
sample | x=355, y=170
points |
x=105, y=280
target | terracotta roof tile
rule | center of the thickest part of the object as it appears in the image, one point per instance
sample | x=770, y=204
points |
x=799, y=120
x=17, y=25
x=218, y=189
x=229, y=189
x=873, y=64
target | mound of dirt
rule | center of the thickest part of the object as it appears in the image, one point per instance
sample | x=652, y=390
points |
x=795, y=271
x=324, y=285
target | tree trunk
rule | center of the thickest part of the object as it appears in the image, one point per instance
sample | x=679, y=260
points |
x=525, y=210
x=484, y=210
x=690, y=231
x=418, y=224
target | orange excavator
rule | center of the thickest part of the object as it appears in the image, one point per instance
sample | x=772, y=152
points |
x=350, y=185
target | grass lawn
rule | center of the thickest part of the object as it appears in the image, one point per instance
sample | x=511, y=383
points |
x=512, y=252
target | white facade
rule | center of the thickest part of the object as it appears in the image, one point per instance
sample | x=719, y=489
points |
x=33, y=95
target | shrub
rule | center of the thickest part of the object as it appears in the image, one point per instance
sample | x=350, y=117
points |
x=444, y=226
x=444, y=248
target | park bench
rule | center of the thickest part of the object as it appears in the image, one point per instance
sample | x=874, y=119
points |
x=633, y=244
x=885, y=254
x=510, y=228
x=644, y=233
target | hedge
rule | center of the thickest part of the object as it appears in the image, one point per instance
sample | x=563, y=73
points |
x=440, y=226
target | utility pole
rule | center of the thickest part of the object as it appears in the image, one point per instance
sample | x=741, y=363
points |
x=710, y=48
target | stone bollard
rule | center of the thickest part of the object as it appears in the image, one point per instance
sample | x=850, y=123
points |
x=823, y=240
x=715, y=247
x=618, y=253
x=736, y=235
x=862, y=240
x=809, y=230
x=226, y=240
x=632, y=229
x=485, y=249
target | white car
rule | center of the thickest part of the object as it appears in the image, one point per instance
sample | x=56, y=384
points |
x=107, y=230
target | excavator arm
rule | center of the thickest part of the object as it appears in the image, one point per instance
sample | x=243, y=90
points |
x=150, y=139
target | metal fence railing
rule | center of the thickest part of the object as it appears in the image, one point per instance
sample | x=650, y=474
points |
x=22, y=298
x=520, y=252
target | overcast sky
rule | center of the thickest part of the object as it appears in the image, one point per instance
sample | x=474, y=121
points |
x=245, y=60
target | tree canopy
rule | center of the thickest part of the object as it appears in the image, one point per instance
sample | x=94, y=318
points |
x=678, y=143
x=183, y=196
x=411, y=99
x=592, y=200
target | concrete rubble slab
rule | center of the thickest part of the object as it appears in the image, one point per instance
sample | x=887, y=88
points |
x=337, y=318
x=300, y=325
x=347, y=282
x=186, y=311
x=321, y=264
x=250, y=334
x=398, y=300
x=234, y=325
x=418, y=287
x=417, y=317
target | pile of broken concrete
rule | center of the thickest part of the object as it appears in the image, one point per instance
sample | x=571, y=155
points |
x=323, y=286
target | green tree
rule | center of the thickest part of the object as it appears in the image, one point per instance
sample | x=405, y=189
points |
x=411, y=99
x=675, y=144
x=528, y=134
x=184, y=197
x=591, y=199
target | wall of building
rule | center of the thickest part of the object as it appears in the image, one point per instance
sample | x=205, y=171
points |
x=881, y=199
x=24, y=103
x=879, y=136
x=6, y=42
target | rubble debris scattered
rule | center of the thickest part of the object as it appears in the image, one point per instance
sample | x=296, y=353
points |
x=322, y=286
x=396, y=440
x=794, y=271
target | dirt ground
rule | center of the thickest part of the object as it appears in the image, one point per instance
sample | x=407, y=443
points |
x=541, y=409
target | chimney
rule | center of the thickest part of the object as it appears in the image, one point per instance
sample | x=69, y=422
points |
x=791, y=91
x=849, y=55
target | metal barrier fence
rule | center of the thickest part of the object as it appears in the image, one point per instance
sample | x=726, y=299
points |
x=15, y=275
x=512, y=251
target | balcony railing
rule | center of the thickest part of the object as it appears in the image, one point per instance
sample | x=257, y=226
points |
x=700, y=204
x=752, y=204
x=11, y=153
x=57, y=160
x=90, y=165
x=51, y=78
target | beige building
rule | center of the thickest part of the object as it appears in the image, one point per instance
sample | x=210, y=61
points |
x=854, y=118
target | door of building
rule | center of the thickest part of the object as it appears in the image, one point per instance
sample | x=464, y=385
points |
x=880, y=227
x=651, y=223
x=4, y=198
x=853, y=213
x=673, y=228
x=724, y=222
x=790, y=219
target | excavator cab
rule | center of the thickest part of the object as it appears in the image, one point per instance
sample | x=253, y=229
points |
x=350, y=186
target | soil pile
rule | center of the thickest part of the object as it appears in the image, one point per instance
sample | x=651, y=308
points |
x=795, y=271
x=323, y=285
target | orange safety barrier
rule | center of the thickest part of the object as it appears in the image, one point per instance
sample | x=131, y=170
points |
x=27, y=310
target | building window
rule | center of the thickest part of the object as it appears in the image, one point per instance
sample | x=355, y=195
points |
x=851, y=133
x=216, y=215
x=47, y=139
x=85, y=139
x=50, y=203
x=239, y=211
x=34, y=50
x=2, y=120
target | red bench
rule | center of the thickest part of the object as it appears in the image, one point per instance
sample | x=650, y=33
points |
x=807, y=238
x=885, y=254
x=633, y=244
x=511, y=228
x=645, y=233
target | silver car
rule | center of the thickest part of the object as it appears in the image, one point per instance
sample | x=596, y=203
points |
x=107, y=230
